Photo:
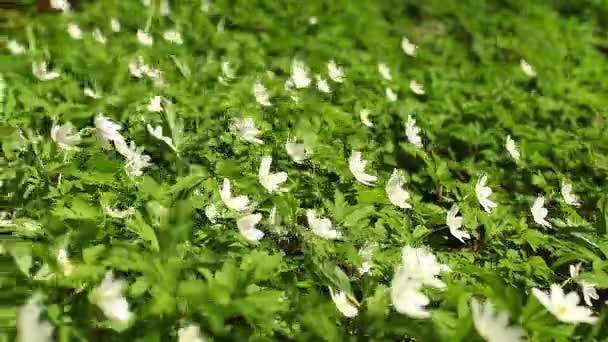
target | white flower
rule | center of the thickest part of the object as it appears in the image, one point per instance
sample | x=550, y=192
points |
x=271, y=181
x=114, y=25
x=118, y=214
x=364, y=116
x=321, y=227
x=155, y=104
x=211, y=213
x=64, y=261
x=322, y=84
x=107, y=132
x=89, y=92
x=407, y=297
x=238, y=203
x=390, y=95
x=313, y=20
x=99, y=37
x=417, y=88
x=190, y=333
x=144, y=38
x=483, y=193
x=385, y=71
x=40, y=70
x=138, y=69
x=62, y=5
x=15, y=47
x=455, y=223
x=569, y=197
x=261, y=94
x=511, y=147
x=246, y=225
x=31, y=327
x=366, y=254
x=109, y=298
x=409, y=48
x=422, y=266
x=227, y=72
x=564, y=306
x=589, y=291
x=357, y=168
x=146, y=3
x=395, y=192
x=74, y=31
x=527, y=68
x=158, y=134
x=335, y=72
x=64, y=137
x=136, y=160
x=539, y=212
x=155, y=75
x=412, y=132
x=344, y=303
x=418, y=268
x=299, y=75
x=173, y=36
x=164, y=10
x=492, y=325
x=246, y=130
x=297, y=152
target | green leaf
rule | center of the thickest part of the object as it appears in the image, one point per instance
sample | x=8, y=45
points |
x=139, y=226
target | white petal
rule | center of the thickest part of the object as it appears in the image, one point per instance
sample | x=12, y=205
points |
x=297, y=152
x=412, y=132
x=261, y=94
x=357, y=168
x=190, y=333
x=569, y=197
x=454, y=224
x=144, y=38
x=30, y=326
x=364, y=115
x=74, y=31
x=343, y=303
x=417, y=88
x=395, y=192
x=408, y=299
x=246, y=226
x=539, y=212
x=322, y=227
x=494, y=326
x=270, y=181
x=527, y=68
x=322, y=85
x=483, y=193
x=409, y=48
x=115, y=25
x=385, y=71
x=238, y=203
x=173, y=36
x=512, y=148
x=335, y=72
x=391, y=95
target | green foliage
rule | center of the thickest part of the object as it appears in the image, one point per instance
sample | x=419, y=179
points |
x=182, y=266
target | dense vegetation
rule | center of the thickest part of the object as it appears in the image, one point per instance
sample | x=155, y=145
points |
x=119, y=148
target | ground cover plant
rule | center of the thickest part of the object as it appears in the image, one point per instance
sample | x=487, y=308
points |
x=305, y=170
